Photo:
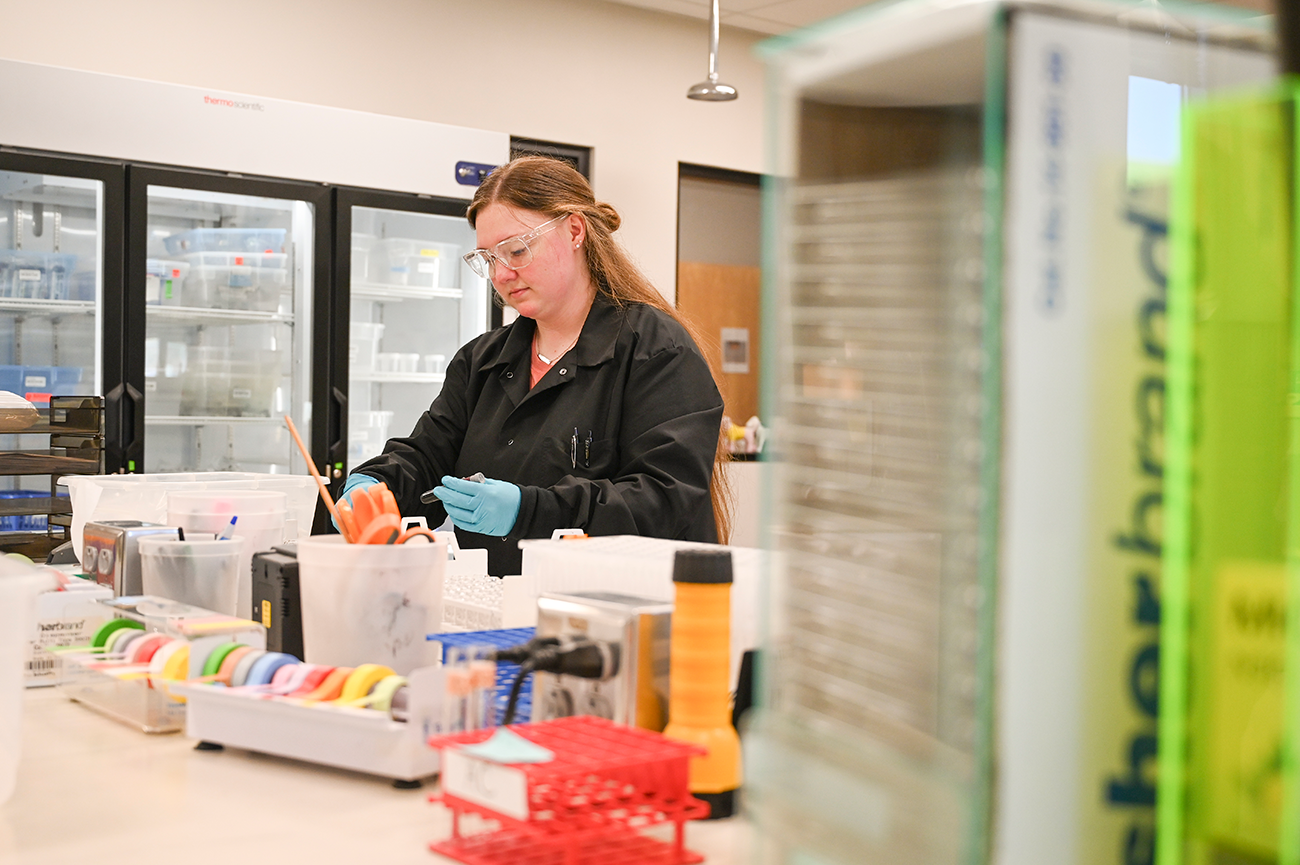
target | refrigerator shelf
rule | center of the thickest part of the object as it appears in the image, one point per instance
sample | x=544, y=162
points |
x=49, y=307
x=199, y=315
x=400, y=377
x=205, y=420
x=57, y=196
x=378, y=291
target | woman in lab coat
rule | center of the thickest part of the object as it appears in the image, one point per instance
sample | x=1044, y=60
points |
x=593, y=410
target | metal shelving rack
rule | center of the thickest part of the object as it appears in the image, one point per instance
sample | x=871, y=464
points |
x=74, y=429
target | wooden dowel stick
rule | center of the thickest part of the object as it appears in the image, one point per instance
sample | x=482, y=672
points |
x=320, y=482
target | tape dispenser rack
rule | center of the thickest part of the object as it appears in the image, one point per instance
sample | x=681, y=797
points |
x=366, y=718
x=147, y=645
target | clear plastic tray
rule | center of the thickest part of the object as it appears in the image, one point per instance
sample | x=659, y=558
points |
x=236, y=287
x=226, y=240
x=420, y=263
x=127, y=692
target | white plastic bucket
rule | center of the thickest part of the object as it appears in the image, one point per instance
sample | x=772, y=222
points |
x=370, y=603
x=201, y=573
x=261, y=522
x=19, y=585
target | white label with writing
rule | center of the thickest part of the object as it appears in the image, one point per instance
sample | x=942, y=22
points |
x=35, y=381
x=501, y=788
x=241, y=393
x=152, y=288
x=29, y=276
x=427, y=267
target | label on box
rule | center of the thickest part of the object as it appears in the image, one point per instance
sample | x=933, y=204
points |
x=241, y=393
x=35, y=381
x=29, y=276
x=492, y=785
x=152, y=288
x=150, y=385
x=62, y=619
x=428, y=267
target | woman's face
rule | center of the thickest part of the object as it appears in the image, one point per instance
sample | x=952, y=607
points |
x=555, y=283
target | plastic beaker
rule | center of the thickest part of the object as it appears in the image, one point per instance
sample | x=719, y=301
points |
x=203, y=573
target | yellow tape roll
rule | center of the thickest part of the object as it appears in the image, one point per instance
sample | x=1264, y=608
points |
x=363, y=678
x=177, y=667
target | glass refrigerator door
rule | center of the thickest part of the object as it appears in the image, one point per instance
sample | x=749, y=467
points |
x=51, y=280
x=414, y=303
x=227, y=343
x=53, y=277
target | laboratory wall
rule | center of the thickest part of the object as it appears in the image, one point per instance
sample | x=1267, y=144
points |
x=585, y=72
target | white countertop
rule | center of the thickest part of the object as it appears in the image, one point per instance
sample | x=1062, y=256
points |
x=92, y=790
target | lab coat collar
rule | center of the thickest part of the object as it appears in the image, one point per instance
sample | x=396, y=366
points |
x=595, y=344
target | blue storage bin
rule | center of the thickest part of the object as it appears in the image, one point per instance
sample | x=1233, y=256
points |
x=66, y=380
x=11, y=379
x=37, y=379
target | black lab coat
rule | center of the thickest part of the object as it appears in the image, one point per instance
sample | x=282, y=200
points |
x=618, y=437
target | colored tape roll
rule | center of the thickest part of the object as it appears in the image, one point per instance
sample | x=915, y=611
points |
x=104, y=631
x=363, y=678
x=163, y=654
x=117, y=640
x=284, y=676
x=228, y=663
x=264, y=667
x=145, y=649
x=216, y=656
x=240, y=674
x=177, y=667
x=312, y=680
x=331, y=686
x=381, y=696
x=294, y=682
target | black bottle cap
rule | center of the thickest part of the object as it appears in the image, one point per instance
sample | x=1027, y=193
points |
x=702, y=566
x=721, y=805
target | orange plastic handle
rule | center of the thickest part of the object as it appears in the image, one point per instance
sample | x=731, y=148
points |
x=383, y=529
x=415, y=531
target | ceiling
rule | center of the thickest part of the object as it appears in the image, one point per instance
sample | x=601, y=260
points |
x=761, y=16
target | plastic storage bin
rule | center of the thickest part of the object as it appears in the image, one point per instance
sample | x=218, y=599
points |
x=204, y=573
x=420, y=263
x=261, y=521
x=362, y=247
x=36, y=275
x=226, y=240
x=144, y=497
x=164, y=281
x=363, y=345
x=237, y=280
x=19, y=585
x=370, y=603
x=217, y=384
x=367, y=434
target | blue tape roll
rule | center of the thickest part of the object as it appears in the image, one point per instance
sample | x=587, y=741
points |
x=264, y=667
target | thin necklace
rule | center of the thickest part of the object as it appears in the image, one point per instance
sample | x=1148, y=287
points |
x=546, y=360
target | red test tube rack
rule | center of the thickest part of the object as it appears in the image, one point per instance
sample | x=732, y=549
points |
x=606, y=784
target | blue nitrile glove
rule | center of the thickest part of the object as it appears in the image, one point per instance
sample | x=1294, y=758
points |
x=488, y=507
x=354, y=482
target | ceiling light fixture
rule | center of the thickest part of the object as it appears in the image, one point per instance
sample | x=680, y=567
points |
x=712, y=90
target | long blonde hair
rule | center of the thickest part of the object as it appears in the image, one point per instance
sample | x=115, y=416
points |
x=553, y=187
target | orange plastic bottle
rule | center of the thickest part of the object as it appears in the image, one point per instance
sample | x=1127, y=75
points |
x=699, y=701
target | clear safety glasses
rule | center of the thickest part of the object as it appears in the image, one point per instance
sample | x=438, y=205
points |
x=513, y=252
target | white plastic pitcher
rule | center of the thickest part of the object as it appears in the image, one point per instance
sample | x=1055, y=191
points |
x=370, y=603
x=19, y=585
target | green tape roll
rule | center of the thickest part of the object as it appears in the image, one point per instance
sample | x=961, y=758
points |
x=216, y=656
x=381, y=695
x=109, y=628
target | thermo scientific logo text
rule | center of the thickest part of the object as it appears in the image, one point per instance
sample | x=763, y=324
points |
x=230, y=103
